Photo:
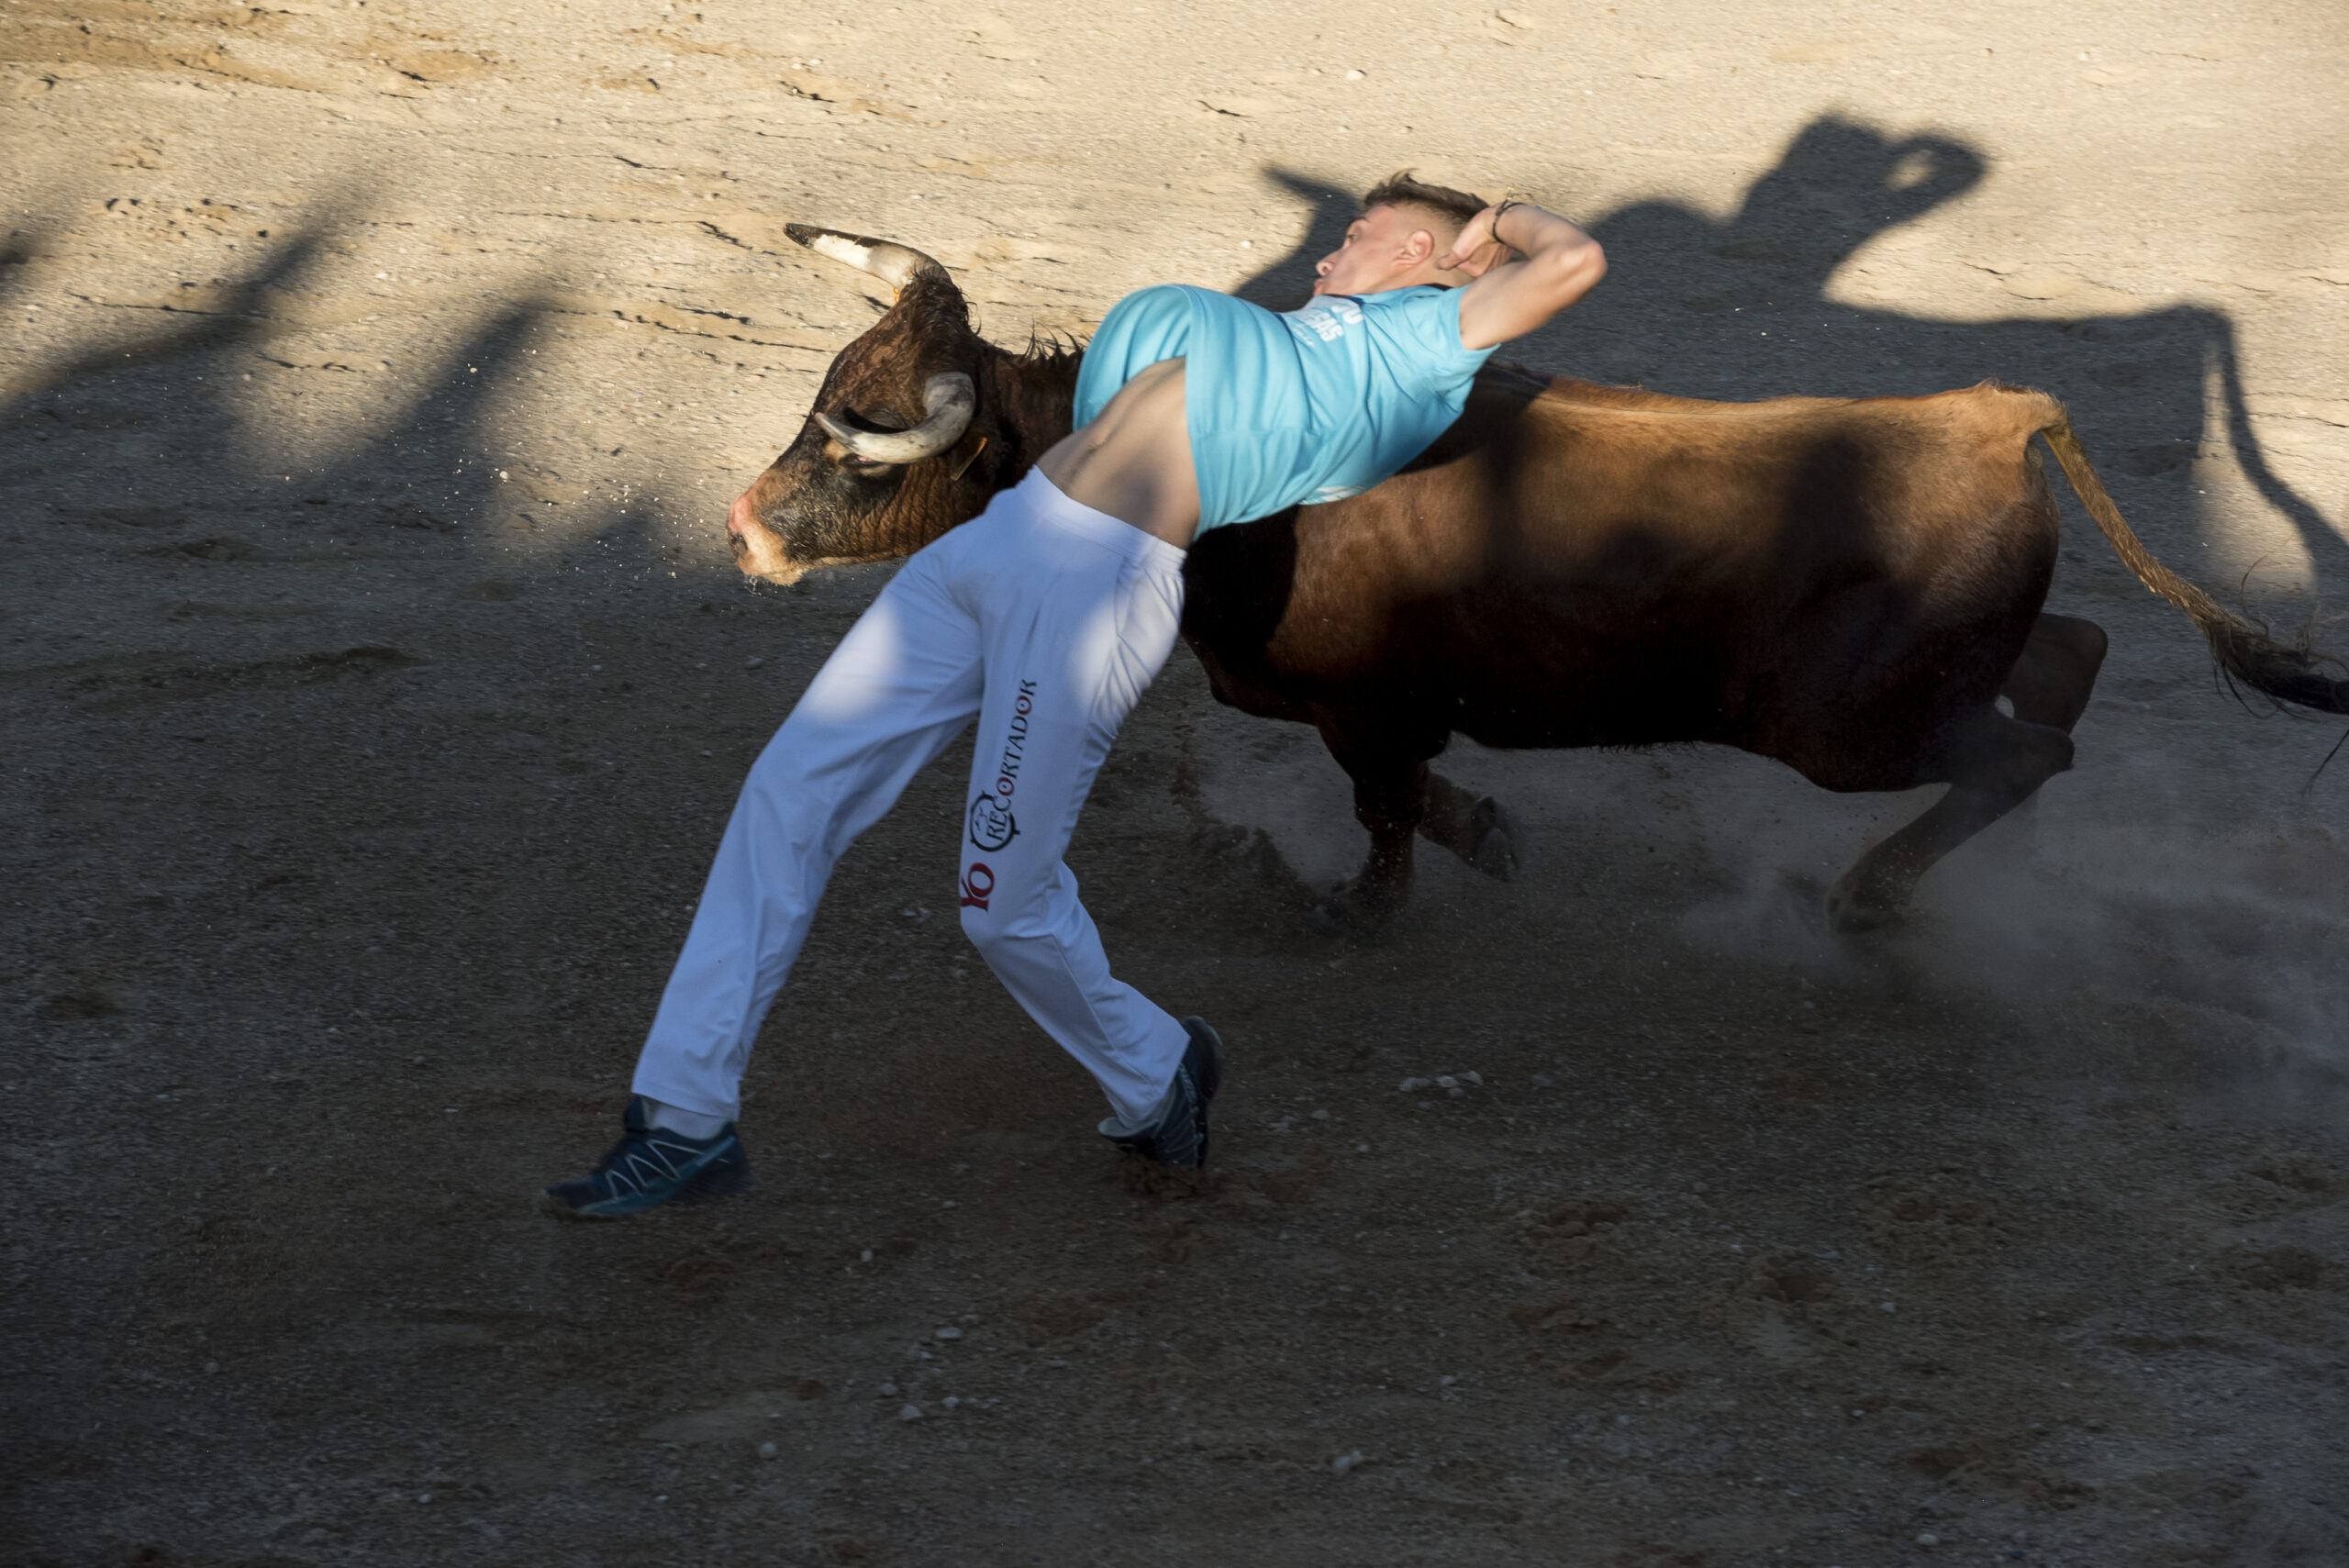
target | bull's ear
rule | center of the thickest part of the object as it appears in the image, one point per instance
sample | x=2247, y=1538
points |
x=899, y=266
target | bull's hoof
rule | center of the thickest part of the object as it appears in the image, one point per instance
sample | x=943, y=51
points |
x=1853, y=911
x=1492, y=829
x=1349, y=913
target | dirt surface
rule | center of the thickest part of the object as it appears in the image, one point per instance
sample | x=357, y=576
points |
x=375, y=685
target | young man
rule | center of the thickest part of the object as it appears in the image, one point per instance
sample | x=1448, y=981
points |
x=1045, y=618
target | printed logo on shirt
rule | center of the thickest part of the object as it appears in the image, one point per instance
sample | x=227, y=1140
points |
x=1328, y=493
x=978, y=886
x=991, y=823
x=1328, y=319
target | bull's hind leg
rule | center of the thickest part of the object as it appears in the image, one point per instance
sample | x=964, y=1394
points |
x=2051, y=681
x=1992, y=763
x=1477, y=828
x=2050, y=684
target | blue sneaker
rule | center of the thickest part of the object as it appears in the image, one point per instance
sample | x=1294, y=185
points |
x=1178, y=1134
x=652, y=1165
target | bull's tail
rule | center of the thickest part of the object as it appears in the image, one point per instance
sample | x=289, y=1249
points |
x=2244, y=652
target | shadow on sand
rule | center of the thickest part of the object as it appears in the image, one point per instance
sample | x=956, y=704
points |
x=157, y=439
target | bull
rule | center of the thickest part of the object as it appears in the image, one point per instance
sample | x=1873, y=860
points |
x=1848, y=585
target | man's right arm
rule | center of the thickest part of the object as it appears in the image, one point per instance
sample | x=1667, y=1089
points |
x=1558, y=265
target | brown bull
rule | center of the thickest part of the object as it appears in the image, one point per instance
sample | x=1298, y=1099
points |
x=1847, y=586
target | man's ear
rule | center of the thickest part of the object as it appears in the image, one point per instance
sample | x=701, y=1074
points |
x=1420, y=246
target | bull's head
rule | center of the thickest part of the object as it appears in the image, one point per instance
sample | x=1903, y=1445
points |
x=916, y=425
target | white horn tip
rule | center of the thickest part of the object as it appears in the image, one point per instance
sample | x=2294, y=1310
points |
x=841, y=248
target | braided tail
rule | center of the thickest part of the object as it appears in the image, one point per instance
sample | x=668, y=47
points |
x=2244, y=651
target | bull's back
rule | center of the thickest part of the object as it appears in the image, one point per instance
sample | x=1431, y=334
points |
x=1582, y=565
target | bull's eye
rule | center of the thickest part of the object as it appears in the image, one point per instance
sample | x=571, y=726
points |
x=883, y=424
x=880, y=423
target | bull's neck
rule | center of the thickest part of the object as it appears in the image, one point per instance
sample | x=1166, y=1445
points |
x=1033, y=396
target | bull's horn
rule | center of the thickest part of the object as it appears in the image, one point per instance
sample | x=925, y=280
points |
x=948, y=400
x=896, y=265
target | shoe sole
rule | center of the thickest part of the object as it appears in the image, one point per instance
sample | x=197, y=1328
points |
x=1210, y=1045
x=1203, y=1057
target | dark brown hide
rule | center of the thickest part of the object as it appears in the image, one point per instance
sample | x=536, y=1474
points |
x=1847, y=586
x=1822, y=582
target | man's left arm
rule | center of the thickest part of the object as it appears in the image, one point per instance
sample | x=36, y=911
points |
x=1557, y=264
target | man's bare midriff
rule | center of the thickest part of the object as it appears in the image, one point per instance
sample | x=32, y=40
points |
x=1134, y=461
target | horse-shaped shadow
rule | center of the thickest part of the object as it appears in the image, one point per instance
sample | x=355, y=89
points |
x=1741, y=308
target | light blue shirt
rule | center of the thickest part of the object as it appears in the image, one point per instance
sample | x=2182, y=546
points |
x=1313, y=406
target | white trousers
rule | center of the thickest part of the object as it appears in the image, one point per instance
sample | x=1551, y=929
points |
x=1043, y=619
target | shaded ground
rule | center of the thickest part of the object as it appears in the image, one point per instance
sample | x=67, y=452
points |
x=374, y=686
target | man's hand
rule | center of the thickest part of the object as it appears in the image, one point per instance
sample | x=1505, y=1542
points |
x=1474, y=250
x=1510, y=298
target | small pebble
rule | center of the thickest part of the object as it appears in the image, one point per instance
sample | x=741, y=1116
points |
x=949, y=1332
x=909, y=1413
x=753, y=664
x=1346, y=1461
x=1412, y=1085
x=424, y=1496
x=1888, y=1307
x=1457, y=1093
x=1475, y=1078
x=1321, y=1116
x=888, y=1389
x=952, y=1401
x=865, y=1256
x=766, y=1450
x=1927, y=1538
x=1446, y=1081
x=212, y=1366
x=1447, y=1380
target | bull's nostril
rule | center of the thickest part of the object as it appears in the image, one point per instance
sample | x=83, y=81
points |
x=736, y=543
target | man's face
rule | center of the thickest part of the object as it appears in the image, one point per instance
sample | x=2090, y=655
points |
x=1385, y=248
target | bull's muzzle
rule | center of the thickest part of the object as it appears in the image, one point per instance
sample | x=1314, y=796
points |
x=757, y=551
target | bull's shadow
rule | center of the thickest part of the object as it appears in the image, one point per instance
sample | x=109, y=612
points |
x=1740, y=309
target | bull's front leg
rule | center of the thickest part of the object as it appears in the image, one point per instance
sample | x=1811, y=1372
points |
x=1390, y=798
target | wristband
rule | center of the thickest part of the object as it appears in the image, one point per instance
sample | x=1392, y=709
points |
x=1499, y=213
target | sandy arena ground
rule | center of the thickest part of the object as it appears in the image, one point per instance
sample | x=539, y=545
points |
x=376, y=683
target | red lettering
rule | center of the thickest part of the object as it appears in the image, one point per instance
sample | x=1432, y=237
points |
x=978, y=884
